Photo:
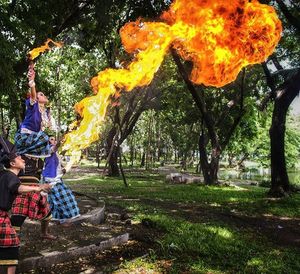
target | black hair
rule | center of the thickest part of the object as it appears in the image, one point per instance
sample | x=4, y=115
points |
x=6, y=161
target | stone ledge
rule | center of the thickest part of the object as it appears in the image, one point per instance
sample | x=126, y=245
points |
x=56, y=257
x=95, y=216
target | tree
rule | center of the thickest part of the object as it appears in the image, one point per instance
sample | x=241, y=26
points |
x=209, y=129
x=283, y=94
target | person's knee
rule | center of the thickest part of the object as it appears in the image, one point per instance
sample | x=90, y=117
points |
x=11, y=269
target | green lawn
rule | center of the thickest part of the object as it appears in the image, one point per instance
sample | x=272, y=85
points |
x=200, y=245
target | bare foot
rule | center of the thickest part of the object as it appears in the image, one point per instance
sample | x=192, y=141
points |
x=49, y=237
x=67, y=224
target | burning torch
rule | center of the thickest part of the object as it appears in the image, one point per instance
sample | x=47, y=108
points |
x=34, y=53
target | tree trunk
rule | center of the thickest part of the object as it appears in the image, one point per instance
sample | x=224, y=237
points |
x=218, y=143
x=183, y=161
x=214, y=165
x=113, y=169
x=279, y=177
x=209, y=169
x=203, y=159
x=132, y=153
x=294, y=21
x=143, y=159
x=121, y=168
x=98, y=154
x=149, y=143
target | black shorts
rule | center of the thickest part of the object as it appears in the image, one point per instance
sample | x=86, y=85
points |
x=9, y=256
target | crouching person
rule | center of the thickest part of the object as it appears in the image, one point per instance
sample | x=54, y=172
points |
x=32, y=205
x=9, y=188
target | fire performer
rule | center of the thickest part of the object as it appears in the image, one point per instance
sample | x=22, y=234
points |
x=61, y=199
x=31, y=140
x=33, y=143
x=10, y=186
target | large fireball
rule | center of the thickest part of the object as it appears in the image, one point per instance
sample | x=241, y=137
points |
x=220, y=37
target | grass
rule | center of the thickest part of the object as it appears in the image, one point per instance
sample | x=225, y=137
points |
x=197, y=246
x=203, y=248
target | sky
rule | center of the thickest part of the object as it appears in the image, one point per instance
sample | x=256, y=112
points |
x=295, y=106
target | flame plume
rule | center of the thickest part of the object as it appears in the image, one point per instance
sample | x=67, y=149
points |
x=219, y=37
x=37, y=51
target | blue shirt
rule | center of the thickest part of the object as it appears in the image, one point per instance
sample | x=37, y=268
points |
x=33, y=118
x=50, y=167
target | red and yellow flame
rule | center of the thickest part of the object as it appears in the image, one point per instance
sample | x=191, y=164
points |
x=39, y=50
x=220, y=38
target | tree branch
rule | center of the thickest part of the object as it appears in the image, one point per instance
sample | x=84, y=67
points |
x=239, y=117
x=198, y=99
x=294, y=21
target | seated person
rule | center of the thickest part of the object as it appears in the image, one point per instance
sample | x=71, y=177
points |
x=10, y=187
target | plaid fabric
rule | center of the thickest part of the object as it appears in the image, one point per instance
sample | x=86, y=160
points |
x=32, y=205
x=34, y=144
x=62, y=202
x=8, y=236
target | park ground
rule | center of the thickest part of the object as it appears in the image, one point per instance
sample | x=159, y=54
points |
x=190, y=228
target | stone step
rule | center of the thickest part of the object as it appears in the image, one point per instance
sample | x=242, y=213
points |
x=86, y=235
x=51, y=258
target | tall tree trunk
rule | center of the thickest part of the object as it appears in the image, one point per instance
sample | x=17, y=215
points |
x=98, y=154
x=149, y=143
x=215, y=164
x=209, y=169
x=143, y=159
x=132, y=153
x=121, y=167
x=183, y=161
x=203, y=159
x=113, y=169
x=279, y=177
x=218, y=142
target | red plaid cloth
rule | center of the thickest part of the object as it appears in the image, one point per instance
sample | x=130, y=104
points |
x=8, y=236
x=32, y=205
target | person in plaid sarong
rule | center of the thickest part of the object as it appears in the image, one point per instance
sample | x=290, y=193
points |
x=61, y=199
x=31, y=140
x=32, y=205
x=9, y=188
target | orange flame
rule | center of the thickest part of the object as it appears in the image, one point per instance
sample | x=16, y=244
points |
x=219, y=37
x=37, y=51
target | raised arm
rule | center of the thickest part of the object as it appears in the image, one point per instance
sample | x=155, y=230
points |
x=31, y=83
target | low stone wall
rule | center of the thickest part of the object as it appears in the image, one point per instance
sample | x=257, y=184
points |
x=55, y=257
x=95, y=216
x=86, y=235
